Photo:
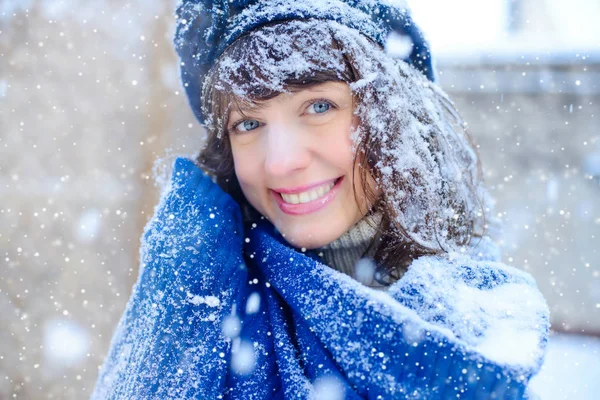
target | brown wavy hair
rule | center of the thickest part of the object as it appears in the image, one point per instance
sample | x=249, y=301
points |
x=394, y=247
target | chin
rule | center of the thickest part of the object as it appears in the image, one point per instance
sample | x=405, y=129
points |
x=307, y=243
x=309, y=238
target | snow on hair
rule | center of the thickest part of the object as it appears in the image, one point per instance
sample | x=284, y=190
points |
x=410, y=136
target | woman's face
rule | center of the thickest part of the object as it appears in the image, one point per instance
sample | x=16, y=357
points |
x=294, y=161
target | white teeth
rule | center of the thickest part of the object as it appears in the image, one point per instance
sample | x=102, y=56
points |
x=304, y=197
x=309, y=195
x=290, y=198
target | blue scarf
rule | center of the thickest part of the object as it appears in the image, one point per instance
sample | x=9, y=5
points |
x=226, y=311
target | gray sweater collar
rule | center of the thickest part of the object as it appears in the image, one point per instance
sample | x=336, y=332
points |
x=344, y=253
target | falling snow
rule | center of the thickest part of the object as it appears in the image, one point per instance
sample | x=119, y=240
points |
x=90, y=97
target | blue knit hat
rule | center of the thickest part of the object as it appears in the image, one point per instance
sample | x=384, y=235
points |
x=206, y=28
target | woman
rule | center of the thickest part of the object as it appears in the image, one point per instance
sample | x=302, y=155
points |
x=341, y=252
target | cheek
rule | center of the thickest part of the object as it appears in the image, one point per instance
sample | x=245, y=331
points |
x=336, y=144
x=243, y=168
x=248, y=172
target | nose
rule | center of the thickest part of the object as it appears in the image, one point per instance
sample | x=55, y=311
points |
x=287, y=150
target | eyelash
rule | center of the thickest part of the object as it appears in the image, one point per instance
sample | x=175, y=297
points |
x=312, y=103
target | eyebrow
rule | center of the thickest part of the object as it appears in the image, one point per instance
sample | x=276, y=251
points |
x=243, y=111
x=316, y=87
x=242, y=107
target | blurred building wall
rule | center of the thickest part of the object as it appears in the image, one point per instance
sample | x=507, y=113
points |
x=536, y=119
x=90, y=98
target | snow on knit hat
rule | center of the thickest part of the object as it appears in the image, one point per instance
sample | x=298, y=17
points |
x=206, y=28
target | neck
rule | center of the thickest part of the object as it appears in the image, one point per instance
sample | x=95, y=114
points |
x=343, y=253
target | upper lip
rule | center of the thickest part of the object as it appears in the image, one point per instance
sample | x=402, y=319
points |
x=303, y=188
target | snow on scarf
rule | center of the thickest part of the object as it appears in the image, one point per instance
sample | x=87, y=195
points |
x=202, y=323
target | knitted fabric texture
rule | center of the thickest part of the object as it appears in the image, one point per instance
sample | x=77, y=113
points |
x=348, y=253
x=225, y=311
x=206, y=28
x=344, y=253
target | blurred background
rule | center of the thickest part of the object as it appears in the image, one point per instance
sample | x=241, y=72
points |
x=90, y=100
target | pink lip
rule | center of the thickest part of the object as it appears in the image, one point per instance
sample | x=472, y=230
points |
x=311, y=206
x=300, y=189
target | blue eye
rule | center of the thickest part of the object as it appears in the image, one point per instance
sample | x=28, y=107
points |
x=319, y=107
x=248, y=125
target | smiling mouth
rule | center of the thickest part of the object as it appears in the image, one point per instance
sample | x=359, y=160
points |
x=309, y=195
x=308, y=201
